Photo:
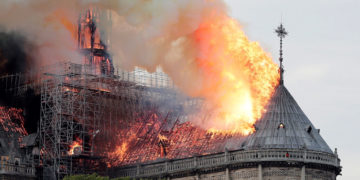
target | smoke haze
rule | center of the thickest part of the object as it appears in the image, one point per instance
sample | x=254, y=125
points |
x=144, y=33
x=195, y=42
x=43, y=25
x=13, y=53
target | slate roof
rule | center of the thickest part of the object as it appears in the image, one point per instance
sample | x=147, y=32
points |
x=29, y=140
x=284, y=125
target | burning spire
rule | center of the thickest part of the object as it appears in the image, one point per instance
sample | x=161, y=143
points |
x=281, y=32
x=91, y=40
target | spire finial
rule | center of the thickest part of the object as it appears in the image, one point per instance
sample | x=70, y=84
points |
x=281, y=33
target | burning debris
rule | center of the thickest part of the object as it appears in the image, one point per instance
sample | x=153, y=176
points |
x=149, y=137
x=12, y=121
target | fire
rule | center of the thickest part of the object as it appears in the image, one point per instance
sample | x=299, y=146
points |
x=239, y=77
x=162, y=137
x=75, y=147
x=120, y=151
x=147, y=139
x=12, y=120
x=61, y=17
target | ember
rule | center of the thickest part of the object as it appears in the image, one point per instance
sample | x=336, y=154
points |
x=76, y=147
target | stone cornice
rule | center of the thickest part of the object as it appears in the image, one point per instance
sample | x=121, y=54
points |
x=231, y=159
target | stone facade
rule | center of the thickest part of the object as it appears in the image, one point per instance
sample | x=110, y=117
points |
x=268, y=173
x=315, y=174
x=247, y=173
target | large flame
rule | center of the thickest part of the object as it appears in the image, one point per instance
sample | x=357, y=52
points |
x=239, y=77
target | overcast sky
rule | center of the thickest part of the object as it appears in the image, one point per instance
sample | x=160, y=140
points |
x=321, y=60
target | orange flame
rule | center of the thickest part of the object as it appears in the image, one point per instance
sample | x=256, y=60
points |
x=75, y=145
x=60, y=17
x=145, y=139
x=119, y=151
x=162, y=137
x=239, y=77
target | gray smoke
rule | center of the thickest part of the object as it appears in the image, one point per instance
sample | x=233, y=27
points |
x=145, y=33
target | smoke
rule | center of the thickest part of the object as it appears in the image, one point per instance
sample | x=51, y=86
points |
x=195, y=42
x=160, y=33
x=202, y=49
x=45, y=25
x=13, y=53
x=144, y=33
x=34, y=34
x=16, y=58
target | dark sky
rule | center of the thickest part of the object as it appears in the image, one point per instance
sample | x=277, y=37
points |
x=322, y=63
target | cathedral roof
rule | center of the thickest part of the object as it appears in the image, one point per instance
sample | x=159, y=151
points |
x=284, y=125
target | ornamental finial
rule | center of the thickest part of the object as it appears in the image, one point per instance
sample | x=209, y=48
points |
x=281, y=32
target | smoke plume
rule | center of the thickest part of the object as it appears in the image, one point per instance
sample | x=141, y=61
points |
x=45, y=26
x=204, y=51
x=13, y=53
x=195, y=42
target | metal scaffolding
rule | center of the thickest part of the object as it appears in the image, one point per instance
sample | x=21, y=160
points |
x=17, y=84
x=78, y=106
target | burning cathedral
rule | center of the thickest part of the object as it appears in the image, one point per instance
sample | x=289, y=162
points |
x=285, y=145
x=94, y=117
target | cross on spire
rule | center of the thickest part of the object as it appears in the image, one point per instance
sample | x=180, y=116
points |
x=281, y=32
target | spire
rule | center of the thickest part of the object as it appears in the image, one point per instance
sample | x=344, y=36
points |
x=281, y=33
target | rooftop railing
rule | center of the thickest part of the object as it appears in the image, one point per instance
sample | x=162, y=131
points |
x=228, y=158
x=13, y=169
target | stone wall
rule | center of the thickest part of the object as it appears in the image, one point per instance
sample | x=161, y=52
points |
x=315, y=174
x=270, y=164
x=268, y=173
x=247, y=173
x=214, y=176
x=282, y=173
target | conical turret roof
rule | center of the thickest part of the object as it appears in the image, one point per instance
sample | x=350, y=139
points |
x=284, y=125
